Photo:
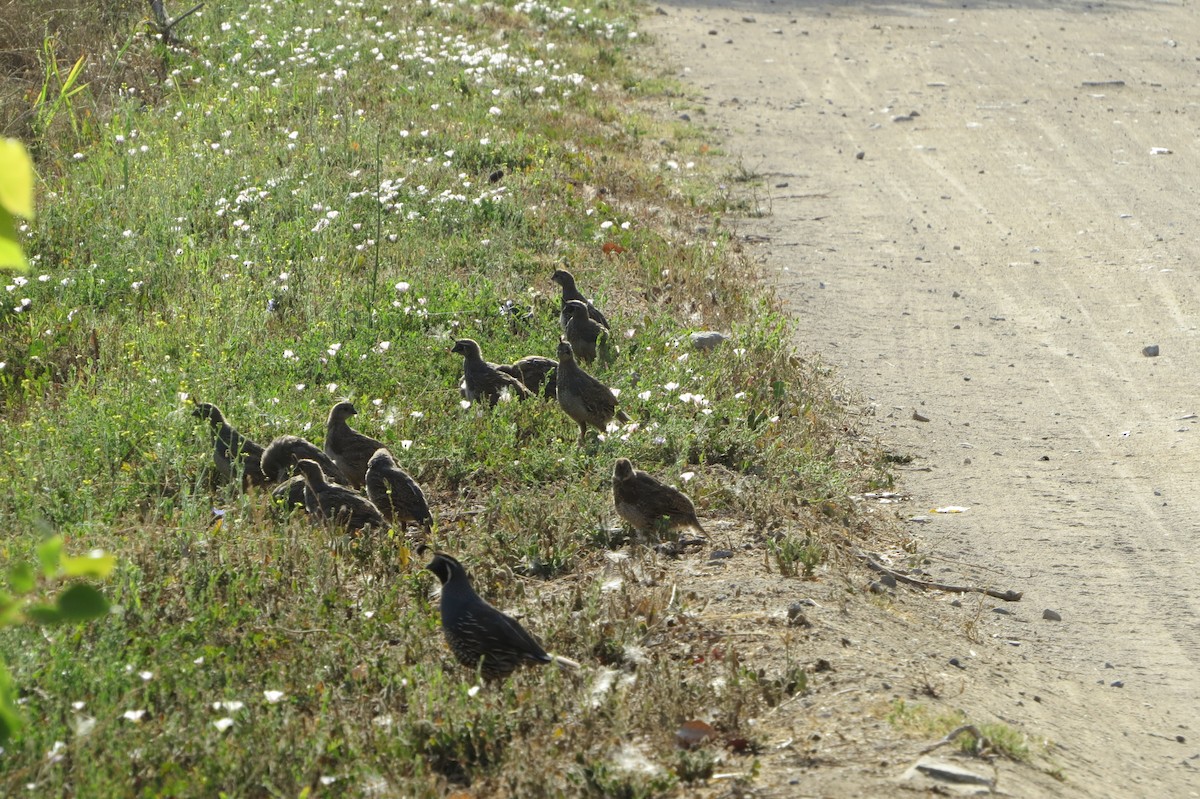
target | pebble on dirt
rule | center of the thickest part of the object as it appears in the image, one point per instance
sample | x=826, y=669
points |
x=1150, y=351
x=1051, y=615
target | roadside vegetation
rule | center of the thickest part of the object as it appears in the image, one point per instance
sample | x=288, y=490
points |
x=303, y=202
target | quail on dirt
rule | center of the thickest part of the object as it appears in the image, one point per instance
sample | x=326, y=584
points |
x=395, y=493
x=645, y=503
x=582, y=397
x=537, y=373
x=347, y=447
x=482, y=379
x=280, y=456
x=334, y=504
x=233, y=453
x=569, y=292
x=480, y=636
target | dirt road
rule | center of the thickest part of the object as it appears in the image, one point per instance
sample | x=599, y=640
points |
x=982, y=213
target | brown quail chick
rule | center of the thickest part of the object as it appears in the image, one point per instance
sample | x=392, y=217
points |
x=482, y=379
x=584, y=398
x=480, y=636
x=348, y=448
x=334, y=504
x=537, y=373
x=280, y=456
x=644, y=502
x=569, y=292
x=584, y=333
x=232, y=452
x=395, y=493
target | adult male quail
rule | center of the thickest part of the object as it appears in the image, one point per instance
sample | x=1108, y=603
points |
x=348, y=448
x=643, y=501
x=280, y=456
x=483, y=379
x=479, y=635
x=537, y=373
x=395, y=493
x=584, y=333
x=232, y=452
x=569, y=292
x=584, y=398
x=334, y=504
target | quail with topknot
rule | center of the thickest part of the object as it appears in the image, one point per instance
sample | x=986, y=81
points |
x=347, y=447
x=232, y=452
x=334, y=504
x=482, y=379
x=585, y=334
x=569, y=292
x=582, y=397
x=536, y=372
x=480, y=636
x=280, y=456
x=395, y=493
x=644, y=502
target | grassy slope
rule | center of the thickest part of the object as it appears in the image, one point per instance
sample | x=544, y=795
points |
x=304, y=213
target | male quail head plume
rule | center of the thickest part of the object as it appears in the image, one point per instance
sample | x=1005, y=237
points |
x=479, y=635
x=537, y=373
x=334, y=504
x=643, y=501
x=348, y=448
x=395, y=493
x=569, y=292
x=582, y=397
x=584, y=333
x=232, y=452
x=280, y=456
x=483, y=379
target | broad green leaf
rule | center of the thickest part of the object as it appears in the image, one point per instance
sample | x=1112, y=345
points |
x=50, y=554
x=22, y=578
x=11, y=254
x=99, y=565
x=10, y=722
x=43, y=614
x=10, y=610
x=80, y=602
x=16, y=179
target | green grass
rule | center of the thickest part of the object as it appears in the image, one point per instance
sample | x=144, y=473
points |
x=298, y=209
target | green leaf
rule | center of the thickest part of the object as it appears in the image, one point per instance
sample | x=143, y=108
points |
x=49, y=554
x=97, y=565
x=22, y=578
x=11, y=255
x=10, y=722
x=16, y=185
x=10, y=610
x=80, y=602
x=43, y=614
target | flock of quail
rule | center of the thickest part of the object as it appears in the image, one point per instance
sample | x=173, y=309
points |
x=355, y=485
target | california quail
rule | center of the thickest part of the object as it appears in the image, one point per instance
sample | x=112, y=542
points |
x=642, y=501
x=348, y=448
x=584, y=398
x=479, y=635
x=280, y=456
x=537, y=373
x=565, y=279
x=335, y=504
x=584, y=333
x=395, y=493
x=483, y=379
x=232, y=452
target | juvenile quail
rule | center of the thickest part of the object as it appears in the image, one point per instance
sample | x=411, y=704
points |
x=395, y=493
x=290, y=493
x=348, y=448
x=280, y=456
x=537, y=373
x=479, y=635
x=569, y=292
x=483, y=379
x=335, y=504
x=584, y=398
x=231, y=450
x=643, y=501
x=584, y=333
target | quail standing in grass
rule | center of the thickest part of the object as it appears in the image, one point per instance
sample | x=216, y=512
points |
x=232, y=452
x=280, y=456
x=644, y=502
x=335, y=504
x=569, y=292
x=483, y=379
x=584, y=332
x=395, y=493
x=537, y=373
x=582, y=397
x=479, y=635
x=348, y=448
